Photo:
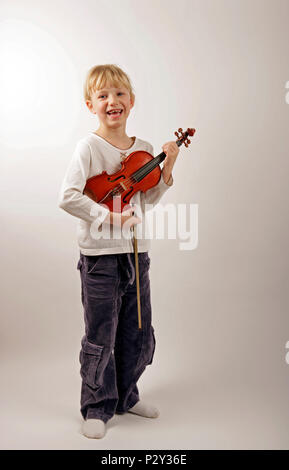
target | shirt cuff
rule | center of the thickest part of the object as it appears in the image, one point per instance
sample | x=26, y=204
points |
x=100, y=213
x=170, y=182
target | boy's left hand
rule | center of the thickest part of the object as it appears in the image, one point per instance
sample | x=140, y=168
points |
x=171, y=150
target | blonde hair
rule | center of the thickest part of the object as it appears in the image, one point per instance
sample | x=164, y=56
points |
x=101, y=75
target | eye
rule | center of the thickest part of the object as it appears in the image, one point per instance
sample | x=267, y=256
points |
x=119, y=93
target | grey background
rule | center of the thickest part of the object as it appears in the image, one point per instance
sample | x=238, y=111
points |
x=220, y=312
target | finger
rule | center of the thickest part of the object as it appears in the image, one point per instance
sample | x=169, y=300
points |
x=128, y=212
x=136, y=220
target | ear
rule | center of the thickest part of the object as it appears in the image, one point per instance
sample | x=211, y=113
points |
x=90, y=106
x=132, y=100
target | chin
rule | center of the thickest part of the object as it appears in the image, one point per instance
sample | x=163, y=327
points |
x=115, y=124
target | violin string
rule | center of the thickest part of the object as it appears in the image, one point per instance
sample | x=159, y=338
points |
x=144, y=171
x=119, y=189
x=141, y=173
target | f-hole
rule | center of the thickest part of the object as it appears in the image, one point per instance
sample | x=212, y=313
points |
x=125, y=197
x=115, y=179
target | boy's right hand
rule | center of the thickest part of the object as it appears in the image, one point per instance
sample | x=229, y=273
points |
x=125, y=217
x=129, y=219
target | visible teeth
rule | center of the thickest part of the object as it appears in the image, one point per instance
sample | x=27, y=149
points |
x=114, y=112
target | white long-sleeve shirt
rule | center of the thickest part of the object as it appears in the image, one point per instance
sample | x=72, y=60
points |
x=93, y=155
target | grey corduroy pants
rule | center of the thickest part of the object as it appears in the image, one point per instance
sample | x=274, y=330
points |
x=114, y=351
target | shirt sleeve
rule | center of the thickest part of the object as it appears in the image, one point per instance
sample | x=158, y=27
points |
x=154, y=194
x=71, y=197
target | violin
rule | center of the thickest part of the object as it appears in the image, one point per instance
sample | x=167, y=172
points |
x=139, y=171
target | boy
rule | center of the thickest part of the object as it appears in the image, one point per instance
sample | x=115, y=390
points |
x=114, y=352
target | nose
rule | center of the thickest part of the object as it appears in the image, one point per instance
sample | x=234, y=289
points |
x=113, y=100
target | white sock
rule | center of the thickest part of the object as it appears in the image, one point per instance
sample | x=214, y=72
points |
x=93, y=428
x=144, y=409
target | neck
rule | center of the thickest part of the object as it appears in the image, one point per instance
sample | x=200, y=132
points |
x=117, y=134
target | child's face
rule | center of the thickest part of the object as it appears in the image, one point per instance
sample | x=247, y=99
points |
x=108, y=98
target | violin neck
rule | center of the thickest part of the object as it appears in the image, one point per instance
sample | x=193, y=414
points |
x=159, y=159
x=150, y=166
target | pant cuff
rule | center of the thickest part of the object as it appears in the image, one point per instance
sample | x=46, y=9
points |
x=92, y=414
x=130, y=405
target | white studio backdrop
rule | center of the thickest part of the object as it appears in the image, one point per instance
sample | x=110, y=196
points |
x=220, y=311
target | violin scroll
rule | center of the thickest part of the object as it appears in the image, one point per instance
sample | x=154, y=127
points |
x=183, y=136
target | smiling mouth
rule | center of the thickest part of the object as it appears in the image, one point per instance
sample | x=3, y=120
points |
x=114, y=114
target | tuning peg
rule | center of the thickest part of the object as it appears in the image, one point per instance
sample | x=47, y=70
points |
x=179, y=136
x=183, y=136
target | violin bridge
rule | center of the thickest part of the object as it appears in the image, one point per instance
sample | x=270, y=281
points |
x=123, y=185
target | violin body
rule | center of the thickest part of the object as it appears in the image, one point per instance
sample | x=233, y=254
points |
x=99, y=187
x=139, y=171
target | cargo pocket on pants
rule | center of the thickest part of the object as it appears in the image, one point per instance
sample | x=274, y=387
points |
x=153, y=339
x=89, y=358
